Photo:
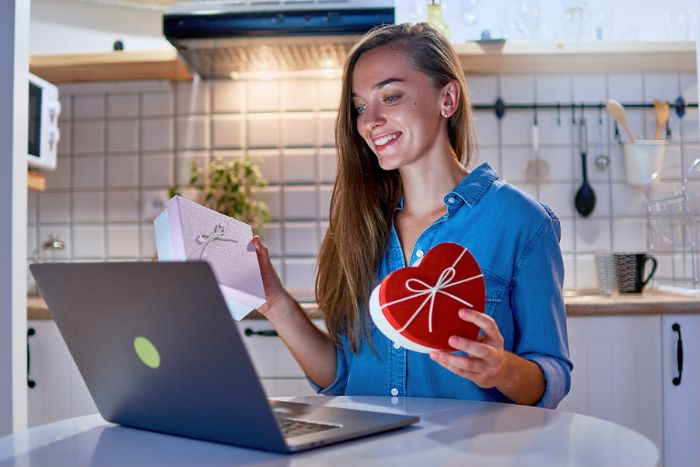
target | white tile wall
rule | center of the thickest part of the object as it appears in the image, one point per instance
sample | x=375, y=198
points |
x=122, y=171
x=157, y=134
x=122, y=136
x=88, y=136
x=227, y=131
x=122, y=105
x=88, y=206
x=122, y=241
x=264, y=131
x=228, y=96
x=156, y=103
x=122, y=147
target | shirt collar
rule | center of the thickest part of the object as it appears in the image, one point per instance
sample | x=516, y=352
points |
x=474, y=185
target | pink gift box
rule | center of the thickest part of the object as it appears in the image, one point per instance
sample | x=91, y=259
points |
x=187, y=231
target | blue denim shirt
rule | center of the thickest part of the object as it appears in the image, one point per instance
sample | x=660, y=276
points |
x=515, y=240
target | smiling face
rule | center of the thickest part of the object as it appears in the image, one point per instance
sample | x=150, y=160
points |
x=398, y=109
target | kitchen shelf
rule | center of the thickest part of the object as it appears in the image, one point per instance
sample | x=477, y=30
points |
x=36, y=181
x=112, y=66
x=597, y=57
x=476, y=58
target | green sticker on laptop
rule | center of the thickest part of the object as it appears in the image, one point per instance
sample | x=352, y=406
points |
x=147, y=352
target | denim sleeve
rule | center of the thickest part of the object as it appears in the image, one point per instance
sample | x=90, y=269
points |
x=539, y=311
x=337, y=387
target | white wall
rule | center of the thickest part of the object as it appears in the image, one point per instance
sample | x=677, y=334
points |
x=66, y=27
x=14, y=47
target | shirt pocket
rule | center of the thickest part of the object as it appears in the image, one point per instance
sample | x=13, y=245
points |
x=495, y=291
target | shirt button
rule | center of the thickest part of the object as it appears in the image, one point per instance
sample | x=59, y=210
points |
x=451, y=200
x=419, y=253
x=396, y=346
x=394, y=392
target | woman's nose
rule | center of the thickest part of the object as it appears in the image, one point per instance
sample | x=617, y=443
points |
x=373, y=119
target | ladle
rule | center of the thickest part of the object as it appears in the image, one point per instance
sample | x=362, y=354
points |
x=585, y=196
x=617, y=111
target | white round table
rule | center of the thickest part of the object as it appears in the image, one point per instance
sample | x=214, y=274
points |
x=451, y=432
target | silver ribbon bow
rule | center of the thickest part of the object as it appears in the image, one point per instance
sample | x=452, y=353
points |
x=208, y=239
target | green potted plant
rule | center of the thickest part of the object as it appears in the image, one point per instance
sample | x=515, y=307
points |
x=227, y=187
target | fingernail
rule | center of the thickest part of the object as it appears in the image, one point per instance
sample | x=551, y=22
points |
x=435, y=356
x=454, y=341
x=463, y=313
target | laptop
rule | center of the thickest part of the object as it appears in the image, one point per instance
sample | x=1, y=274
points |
x=158, y=350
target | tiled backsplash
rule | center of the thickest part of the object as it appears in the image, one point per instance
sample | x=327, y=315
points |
x=124, y=144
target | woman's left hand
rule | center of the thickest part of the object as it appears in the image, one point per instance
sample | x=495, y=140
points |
x=487, y=363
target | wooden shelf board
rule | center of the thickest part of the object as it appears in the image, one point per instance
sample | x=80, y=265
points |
x=112, y=66
x=476, y=58
x=602, y=57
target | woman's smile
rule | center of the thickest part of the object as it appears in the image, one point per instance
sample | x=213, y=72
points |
x=383, y=142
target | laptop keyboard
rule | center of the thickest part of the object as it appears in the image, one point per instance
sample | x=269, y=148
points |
x=293, y=427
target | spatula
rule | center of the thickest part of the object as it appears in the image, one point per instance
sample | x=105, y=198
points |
x=661, y=109
x=617, y=111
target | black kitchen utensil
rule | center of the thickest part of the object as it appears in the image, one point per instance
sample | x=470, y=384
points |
x=585, y=196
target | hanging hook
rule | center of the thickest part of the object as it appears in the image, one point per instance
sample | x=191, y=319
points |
x=573, y=114
x=534, y=108
x=558, y=114
x=500, y=108
x=600, y=114
x=680, y=107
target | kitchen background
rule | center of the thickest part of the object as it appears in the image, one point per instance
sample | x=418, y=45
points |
x=124, y=144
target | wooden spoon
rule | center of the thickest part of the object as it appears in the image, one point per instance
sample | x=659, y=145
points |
x=617, y=111
x=661, y=109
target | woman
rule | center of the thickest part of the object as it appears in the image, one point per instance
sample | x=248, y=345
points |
x=404, y=137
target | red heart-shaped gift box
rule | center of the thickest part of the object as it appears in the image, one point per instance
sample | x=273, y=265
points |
x=418, y=306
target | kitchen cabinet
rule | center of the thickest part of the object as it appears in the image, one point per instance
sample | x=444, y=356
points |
x=681, y=401
x=617, y=371
x=623, y=372
x=59, y=391
x=279, y=372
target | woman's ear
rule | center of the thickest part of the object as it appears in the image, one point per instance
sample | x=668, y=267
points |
x=449, y=99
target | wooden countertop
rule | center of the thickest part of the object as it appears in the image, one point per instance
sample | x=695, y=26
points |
x=583, y=304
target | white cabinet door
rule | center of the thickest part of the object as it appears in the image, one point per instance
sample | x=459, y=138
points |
x=279, y=372
x=59, y=390
x=681, y=401
x=617, y=371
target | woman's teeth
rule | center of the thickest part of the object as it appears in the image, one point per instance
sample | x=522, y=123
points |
x=384, y=139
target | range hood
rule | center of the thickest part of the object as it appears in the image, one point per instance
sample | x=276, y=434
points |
x=221, y=38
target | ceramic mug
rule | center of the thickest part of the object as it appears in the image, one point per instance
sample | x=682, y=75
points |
x=629, y=271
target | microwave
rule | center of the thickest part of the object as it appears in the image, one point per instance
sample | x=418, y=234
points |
x=43, y=134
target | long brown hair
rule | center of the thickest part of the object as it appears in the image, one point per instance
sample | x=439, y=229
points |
x=365, y=195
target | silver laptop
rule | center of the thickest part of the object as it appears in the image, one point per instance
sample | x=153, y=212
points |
x=159, y=350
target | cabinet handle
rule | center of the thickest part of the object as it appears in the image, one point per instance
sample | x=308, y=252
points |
x=30, y=382
x=266, y=333
x=679, y=354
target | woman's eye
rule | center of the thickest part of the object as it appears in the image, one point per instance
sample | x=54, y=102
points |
x=391, y=99
x=360, y=109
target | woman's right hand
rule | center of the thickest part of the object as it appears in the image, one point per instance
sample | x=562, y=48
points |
x=277, y=300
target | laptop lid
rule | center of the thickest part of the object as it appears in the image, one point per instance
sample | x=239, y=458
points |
x=158, y=349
